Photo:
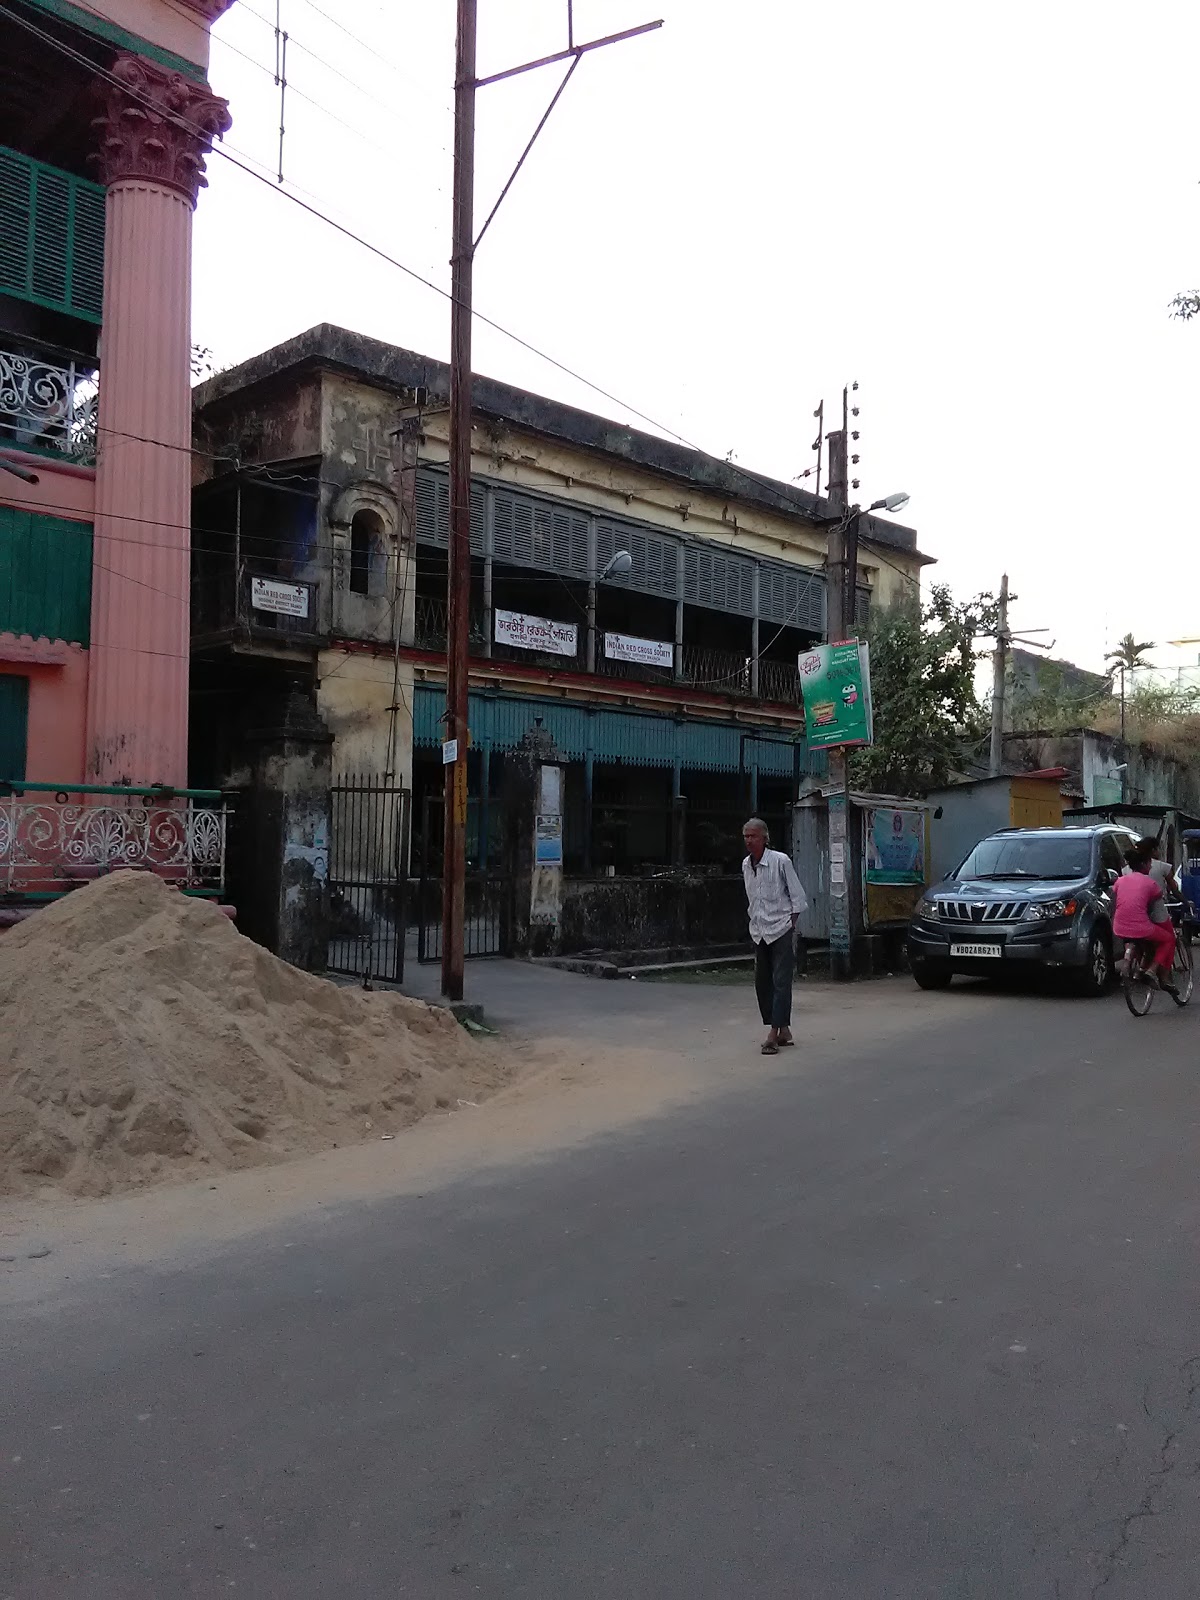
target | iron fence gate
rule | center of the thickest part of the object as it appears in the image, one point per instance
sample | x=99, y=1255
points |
x=487, y=919
x=368, y=856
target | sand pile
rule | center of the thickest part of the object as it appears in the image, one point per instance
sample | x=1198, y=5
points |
x=141, y=1037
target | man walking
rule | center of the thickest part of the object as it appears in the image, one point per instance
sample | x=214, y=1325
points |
x=775, y=900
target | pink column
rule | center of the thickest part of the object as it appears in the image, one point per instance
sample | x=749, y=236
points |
x=153, y=135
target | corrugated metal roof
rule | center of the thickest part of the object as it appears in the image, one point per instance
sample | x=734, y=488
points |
x=640, y=739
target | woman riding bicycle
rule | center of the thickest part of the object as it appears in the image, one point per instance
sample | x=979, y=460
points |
x=1137, y=894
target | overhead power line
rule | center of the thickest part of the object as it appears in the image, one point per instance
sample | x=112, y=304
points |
x=289, y=192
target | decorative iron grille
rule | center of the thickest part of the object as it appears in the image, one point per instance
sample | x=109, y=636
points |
x=48, y=407
x=52, y=838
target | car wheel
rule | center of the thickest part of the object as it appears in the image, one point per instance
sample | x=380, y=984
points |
x=932, y=977
x=1097, y=974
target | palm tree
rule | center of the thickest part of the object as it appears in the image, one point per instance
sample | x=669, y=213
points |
x=1128, y=657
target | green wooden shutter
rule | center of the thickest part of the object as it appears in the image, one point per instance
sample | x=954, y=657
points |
x=45, y=576
x=14, y=725
x=51, y=237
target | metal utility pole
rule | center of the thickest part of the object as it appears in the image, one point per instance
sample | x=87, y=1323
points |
x=999, y=665
x=462, y=262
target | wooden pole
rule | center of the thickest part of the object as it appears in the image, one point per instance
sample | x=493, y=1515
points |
x=462, y=262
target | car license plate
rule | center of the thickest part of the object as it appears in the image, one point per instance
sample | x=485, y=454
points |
x=970, y=950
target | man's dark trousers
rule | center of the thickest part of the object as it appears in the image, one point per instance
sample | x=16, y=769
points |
x=773, y=966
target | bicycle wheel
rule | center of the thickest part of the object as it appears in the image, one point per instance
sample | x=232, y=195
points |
x=1182, y=974
x=1138, y=986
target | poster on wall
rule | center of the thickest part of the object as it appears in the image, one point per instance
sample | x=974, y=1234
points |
x=895, y=845
x=548, y=847
x=646, y=652
x=835, y=681
x=536, y=633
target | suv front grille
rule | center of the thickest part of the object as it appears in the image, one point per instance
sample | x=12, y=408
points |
x=981, y=911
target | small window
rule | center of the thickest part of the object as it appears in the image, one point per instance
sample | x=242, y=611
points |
x=364, y=531
x=14, y=723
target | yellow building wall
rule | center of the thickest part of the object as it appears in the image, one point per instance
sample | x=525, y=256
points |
x=355, y=693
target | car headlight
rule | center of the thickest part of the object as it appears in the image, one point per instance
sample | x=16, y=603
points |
x=927, y=907
x=1040, y=910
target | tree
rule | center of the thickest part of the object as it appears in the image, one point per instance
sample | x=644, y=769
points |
x=1186, y=306
x=926, y=710
x=1129, y=656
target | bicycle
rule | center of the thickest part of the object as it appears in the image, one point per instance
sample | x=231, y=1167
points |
x=1137, y=978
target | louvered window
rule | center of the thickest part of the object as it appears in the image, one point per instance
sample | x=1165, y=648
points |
x=433, y=511
x=723, y=582
x=791, y=597
x=51, y=237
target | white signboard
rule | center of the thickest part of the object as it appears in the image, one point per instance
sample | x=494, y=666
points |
x=647, y=652
x=449, y=752
x=288, y=599
x=536, y=633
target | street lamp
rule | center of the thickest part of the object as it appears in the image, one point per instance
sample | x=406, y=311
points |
x=618, y=565
x=891, y=502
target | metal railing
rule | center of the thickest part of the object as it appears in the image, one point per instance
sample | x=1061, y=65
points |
x=779, y=680
x=432, y=613
x=720, y=671
x=48, y=408
x=54, y=837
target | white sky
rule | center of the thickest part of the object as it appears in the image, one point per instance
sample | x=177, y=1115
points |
x=980, y=212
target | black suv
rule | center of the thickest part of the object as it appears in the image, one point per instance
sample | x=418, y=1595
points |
x=1038, y=896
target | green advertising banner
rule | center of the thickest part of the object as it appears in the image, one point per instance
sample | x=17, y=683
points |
x=835, y=680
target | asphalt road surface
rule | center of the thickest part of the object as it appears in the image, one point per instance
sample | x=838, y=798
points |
x=902, y=1318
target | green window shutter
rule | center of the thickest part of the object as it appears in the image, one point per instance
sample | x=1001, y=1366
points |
x=51, y=237
x=45, y=576
x=14, y=725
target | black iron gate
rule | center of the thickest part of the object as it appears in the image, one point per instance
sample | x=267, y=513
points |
x=368, y=862
x=487, y=925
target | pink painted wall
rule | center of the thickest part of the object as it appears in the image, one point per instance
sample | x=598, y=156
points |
x=64, y=491
x=57, y=710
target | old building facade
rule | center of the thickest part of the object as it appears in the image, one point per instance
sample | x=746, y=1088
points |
x=322, y=519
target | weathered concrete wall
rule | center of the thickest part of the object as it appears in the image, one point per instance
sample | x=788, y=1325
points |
x=355, y=696
x=279, y=845
x=651, y=913
x=281, y=423
x=1150, y=778
x=362, y=477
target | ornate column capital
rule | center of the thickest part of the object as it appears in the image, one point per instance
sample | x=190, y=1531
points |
x=157, y=125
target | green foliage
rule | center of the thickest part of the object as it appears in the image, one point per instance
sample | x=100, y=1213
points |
x=923, y=689
x=1053, y=700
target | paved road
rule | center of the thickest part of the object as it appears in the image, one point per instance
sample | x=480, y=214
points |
x=911, y=1321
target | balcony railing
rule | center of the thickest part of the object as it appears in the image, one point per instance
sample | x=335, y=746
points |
x=47, y=408
x=431, y=624
x=779, y=681
x=55, y=837
x=720, y=672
